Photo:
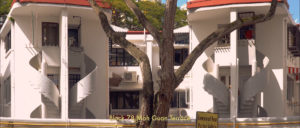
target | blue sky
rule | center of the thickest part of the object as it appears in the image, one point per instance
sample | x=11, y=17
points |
x=294, y=8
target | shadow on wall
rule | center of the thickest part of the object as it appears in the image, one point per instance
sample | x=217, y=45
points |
x=272, y=93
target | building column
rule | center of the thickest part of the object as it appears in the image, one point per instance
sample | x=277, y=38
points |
x=149, y=52
x=44, y=72
x=234, y=69
x=12, y=71
x=64, y=66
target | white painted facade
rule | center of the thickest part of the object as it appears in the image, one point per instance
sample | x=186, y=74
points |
x=253, y=70
x=244, y=78
x=28, y=65
x=225, y=79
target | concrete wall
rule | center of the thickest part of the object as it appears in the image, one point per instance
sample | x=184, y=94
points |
x=200, y=30
x=27, y=42
x=95, y=45
x=274, y=49
x=270, y=42
x=24, y=92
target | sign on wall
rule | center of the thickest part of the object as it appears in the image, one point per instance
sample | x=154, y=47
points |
x=206, y=120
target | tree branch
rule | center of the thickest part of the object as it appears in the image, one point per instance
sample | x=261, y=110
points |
x=217, y=35
x=144, y=21
x=140, y=56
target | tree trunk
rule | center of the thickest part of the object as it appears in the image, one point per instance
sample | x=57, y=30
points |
x=154, y=109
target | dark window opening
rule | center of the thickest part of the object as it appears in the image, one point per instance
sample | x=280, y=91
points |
x=124, y=100
x=73, y=37
x=73, y=79
x=120, y=57
x=7, y=93
x=180, y=55
x=7, y=41
x=180, y=99
x=50, y=34
x=182, y=38
x=246, y=32
x=290, y=88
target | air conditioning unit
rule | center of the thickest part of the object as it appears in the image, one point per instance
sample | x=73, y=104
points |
x=182, y=112
x=130, y=77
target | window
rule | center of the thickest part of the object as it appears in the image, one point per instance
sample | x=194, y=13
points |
x=291, y=36
x=7, y=41
x=124, y=100
x=180, y=99
x=7, y=93
x=50, y=34
x=73, y=79
x=73, y=39
x=223, y=79
x=182, y=38
x=180, y=55
x=120, y=57
x=290, y=88
x=247, y=32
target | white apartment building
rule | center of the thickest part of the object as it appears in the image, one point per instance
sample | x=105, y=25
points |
x=53, y=61
x=125, y=95
x=56, y=62
x=252, y=72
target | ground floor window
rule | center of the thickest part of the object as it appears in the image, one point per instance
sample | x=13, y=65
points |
x=290, y=88
x=124, y=100
x=180, y=99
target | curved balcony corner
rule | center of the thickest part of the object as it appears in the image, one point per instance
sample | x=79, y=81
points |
x=83, y=88
x=46, y=87
x=216, y=88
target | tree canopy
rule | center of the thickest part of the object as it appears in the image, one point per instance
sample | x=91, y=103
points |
x=4, y=6
x=154, y=11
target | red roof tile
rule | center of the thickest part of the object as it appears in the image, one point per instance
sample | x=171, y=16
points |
x=101, y=3
x=209, y=3
x=137, y=32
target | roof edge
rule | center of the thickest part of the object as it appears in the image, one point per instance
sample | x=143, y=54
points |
x=212, y=3
x=101, y=3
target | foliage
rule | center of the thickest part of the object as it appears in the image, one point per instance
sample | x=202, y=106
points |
x=154, y=11
x=4, y=6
